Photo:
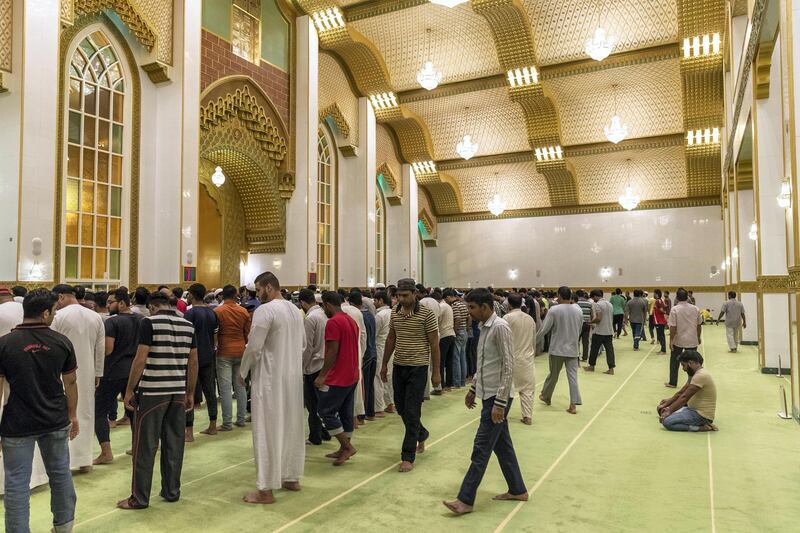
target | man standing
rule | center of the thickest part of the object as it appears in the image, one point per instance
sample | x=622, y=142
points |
x=234, y=326
x=206, y=327
x=603, y=332
x=523, y=333
x=636, y=313
x=733, y=311
x=274, y=361
x=121, y=344
x=660, y=315
x=447, y=341
x=693, y=407
x=384, y=397
x=356, y=314
x=160, y=391
x=313, y=359
x=368, y=362
x=460, y=324
x=493, y=385
x=588, y=319
x=11, y=313
x=338, y=378
x=140, y=297
x=414, y=341
x=685, y=327
x=86, y=332
x=618, y=303
x=565, y=320
x=425, y=299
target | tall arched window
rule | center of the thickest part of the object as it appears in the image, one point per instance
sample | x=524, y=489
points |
x=380, y=237
x=326, y=187
x=94, y=180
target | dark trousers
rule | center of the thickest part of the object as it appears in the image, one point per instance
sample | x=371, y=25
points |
x=651, y=323
x=546, y=348
x=637, y=329
x=585, y=334
x=662, y=338
x=472, y=356
x=336, y=408
x=316, y=433
x=644, y=333
x=607, y=341
x=490, y=438
x=619, y=321
x=447, y=347
x=105, y=403
x=206, y=386
x=409, y=389
x=674, y=365
x=158, y=418
x=368, y=382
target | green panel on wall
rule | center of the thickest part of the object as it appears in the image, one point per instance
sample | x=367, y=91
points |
x=274, y=35
x=217, y=17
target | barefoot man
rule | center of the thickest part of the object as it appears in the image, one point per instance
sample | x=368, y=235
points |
x=493, y=385
x=274, y=361
x=414, y=341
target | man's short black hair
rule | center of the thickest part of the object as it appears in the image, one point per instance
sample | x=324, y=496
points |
x=80, y=292
x=657, y=293
x=229, y=292
x=480, y=297
x=197, y=290
x=159, y=298
x=437, y=295
x=638, y=292
x=681, y=295
x=690, y=356
x=121, y=295
x=332, y=298
x=38, y=301
x=178, y=291
x=515, y=300
x=268, y=278
x=565, y=293
x=63, y=288
x=448, y=293
x=101, y=299
x=141, y=295
x=160, y=287
x=307, y=296
x=355, y=298
x=617, y=291
x=421, y=289
x=19, y=290
x=731, y=294
x=382, y=296
x=596, y=292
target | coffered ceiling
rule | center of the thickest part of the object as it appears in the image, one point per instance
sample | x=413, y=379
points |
x=658, y=93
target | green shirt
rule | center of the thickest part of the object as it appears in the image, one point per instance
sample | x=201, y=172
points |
x=618, y=303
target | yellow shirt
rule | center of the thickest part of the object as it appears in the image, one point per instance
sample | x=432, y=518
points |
x=704, y=401
x=650, y=303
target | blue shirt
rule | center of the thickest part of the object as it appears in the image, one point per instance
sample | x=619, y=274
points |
x=370, y=354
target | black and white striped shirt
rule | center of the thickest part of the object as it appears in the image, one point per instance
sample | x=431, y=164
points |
x=170, y=339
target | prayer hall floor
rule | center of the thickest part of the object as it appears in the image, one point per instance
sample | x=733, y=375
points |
x=610, y=468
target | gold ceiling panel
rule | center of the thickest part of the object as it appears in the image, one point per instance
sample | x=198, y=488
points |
x=461, y=44
x=654, y=174
x=335, y=91
x=561, y=27
x=648, y=101
x=512, y=33
x=519, y=185
x=493, y=121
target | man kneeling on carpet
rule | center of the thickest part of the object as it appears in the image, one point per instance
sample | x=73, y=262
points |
x=693, y=407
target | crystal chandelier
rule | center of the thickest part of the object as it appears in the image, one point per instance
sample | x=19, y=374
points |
x=616, y=131
x=496, y=205
x=218, y=178
x=447, y=3
x=429, y=77
x=629, y=201
x=466, y=148
x=600, y=45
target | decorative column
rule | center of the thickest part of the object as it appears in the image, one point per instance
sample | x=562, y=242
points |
x=367, y=139
x=400, y=218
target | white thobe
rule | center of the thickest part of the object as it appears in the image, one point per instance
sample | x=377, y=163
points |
x=383, y=391
x=274, y=360
x=358, y=316
x=86, y=331
x=523, y=332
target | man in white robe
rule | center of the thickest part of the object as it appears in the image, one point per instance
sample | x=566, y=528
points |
x=356, y=315
x=86, y=331
x=274, y=360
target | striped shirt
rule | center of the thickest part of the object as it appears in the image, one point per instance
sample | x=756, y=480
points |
x=412, y=347
x=460, y=314
x=170, y=339
x=586, y=308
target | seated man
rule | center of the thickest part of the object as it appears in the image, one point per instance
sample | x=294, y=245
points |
x=693, y=407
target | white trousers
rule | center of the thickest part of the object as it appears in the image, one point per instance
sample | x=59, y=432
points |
x=525, y=384
x=733, y=337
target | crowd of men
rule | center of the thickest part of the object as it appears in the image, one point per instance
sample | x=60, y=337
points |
x=322, y=360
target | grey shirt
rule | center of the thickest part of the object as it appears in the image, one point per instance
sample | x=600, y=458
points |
x=566, y=323
x=495, y=362
x=606, y=324
x=734, y=311
x=314, y=354
x=636, y=309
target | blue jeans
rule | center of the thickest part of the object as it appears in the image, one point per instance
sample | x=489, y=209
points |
x=18, y=464
x=638, y=329
x=227, y=376
x=460, y=359
x=685, y=419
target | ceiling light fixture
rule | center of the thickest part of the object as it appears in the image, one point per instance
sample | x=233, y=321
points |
x=521, y=77
x=466, y=148
x=616, y=131
x=629, y=201
x=701, y=45
x=447, y=3
x=600, y=45
x=702, y=137
x=328, y=19
x=753, y=234
x=549, y=153
x=218, y=178
x=423, y=167
x=496, y=206
x=429, y=77
x=785, y=197
x=383, y=101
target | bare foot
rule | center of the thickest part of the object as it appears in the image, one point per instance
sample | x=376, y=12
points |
x=293, y=486
x=346, y=454
x=610, y=372
x=334, y=455
x=391, y=409
x=708, y=427
x=546, y=402
x=103, y=459
x=589, y=368
x=380, y=414
x=371, y=419
x=406, y=466
x=188, y=435
x=123, y=421
x=670, y=386
x=421, y=447
x=210, y=430
x=527, y=421
x=260, y=496
x=572, y=409
x=508, y=496
x=458, y=507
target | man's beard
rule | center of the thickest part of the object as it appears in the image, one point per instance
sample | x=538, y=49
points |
x=690, y=371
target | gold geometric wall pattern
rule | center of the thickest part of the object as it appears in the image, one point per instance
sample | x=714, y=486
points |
x=648, y=101
x=658, y=173
x=636, y=23
x=386, y=154
x=493, y=121
x=334, y=89
x=461, y=43
x=126, y=11
x=158, y=14
x=6, y=22
x=519, y=185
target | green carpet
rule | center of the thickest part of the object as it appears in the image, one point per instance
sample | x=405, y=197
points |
x=610, y=468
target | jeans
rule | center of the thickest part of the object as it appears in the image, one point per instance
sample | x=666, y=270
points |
x=619, y=321
x=368, y=381
x=460, y=359
x=637, y=330
x=490, y=438
x=685, y=419
x=651, y=323
x=662, y=339
x=105, y=403
x=607, y=341
x=18, y=465
x=446, y=350
x=674, y=365
x=336, y=408
x=227, y=376
x=586, y=332
x=206, y=386
x=409, y=388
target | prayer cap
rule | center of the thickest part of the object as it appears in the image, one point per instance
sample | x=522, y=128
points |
x=406, y=284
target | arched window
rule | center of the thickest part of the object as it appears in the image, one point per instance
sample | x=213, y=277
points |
x=94, y=180
x=326, y=191
x=380, y=238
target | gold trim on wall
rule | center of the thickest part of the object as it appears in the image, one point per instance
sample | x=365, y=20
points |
x=6, y=36
x=773, y=284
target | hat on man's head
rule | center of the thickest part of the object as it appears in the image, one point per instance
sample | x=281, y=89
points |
x=251, y=287
x=406, y=284
x=217, y=292
x=380, y=286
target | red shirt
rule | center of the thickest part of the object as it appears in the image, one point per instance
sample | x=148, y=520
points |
x=343, y=329
x=659, y=312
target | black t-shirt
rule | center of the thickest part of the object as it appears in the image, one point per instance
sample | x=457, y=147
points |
x=206, y=326
x=124, y=329
x=32, y=359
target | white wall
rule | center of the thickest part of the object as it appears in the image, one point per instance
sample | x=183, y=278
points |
x=572, y=250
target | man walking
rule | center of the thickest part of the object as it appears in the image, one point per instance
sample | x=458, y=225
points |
x=733, y=311
x=384, y=395
x=40, y=366
x=587, y=308
x=603, y=332
x=493, y=385
x=460, y=325
x=160, y=391
x=414, y=341
x=685, y=327
x=369, y=359
x=234, y=327
x=206, y=327
x=636, y=313
x=523, y=333
x=447, y=341
x=618, y=303
x=565, y=321
x=313, y=359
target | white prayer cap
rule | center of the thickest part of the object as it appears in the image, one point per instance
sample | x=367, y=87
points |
x=251, y=287
x=380, y=286
x=217, y=292
x=318, y=297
